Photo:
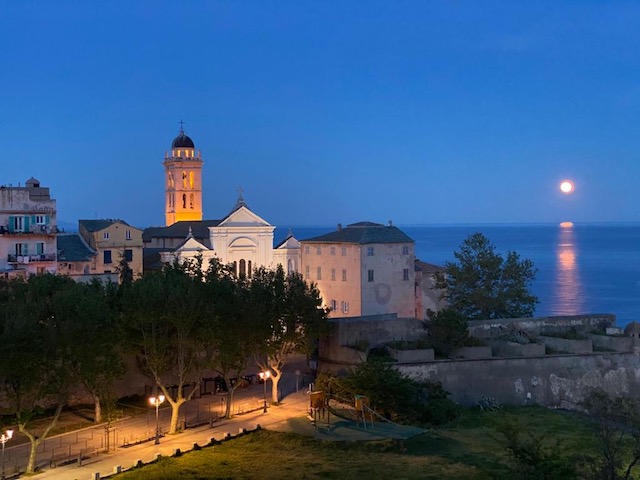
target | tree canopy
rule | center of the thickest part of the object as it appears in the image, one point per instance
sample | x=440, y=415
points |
x=483, y=285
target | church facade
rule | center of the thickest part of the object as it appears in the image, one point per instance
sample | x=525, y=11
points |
x=241, y=238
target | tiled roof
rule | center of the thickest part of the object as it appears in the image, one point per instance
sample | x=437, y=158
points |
x=428, y=268
x=363, y=233
x=199, y=230
x=97, y=225
x=72, y=248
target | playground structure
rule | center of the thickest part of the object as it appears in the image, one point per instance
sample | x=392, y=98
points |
x=322, y=406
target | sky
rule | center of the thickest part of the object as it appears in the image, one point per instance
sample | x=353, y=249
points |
x=419, y=112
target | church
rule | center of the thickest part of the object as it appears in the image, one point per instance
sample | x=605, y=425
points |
x=241, y=238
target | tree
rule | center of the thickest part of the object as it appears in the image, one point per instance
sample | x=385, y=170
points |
x=289, y=318
x=98, y=359
x=164, y=318
x=231, y=324
x=484, y=285
x=448, y=330
x=616, y=424
x=37, y=350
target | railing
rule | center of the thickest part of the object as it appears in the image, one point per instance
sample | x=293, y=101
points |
x=44, y=257
x=42, y=229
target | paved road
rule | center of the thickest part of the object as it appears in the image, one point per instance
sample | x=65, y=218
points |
x=132, y=430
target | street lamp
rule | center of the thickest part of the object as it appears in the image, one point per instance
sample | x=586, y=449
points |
x=4, y=438
x=264, y=376
x=155, y=402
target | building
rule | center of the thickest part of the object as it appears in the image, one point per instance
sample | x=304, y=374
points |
x=111, y=241
x=76, y=259
x=27, y=230
x=363, y=269
x=241, y=238
x=183, y=181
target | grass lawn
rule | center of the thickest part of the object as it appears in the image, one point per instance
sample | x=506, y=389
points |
x=469, y=448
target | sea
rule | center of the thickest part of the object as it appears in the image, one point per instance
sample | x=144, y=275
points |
x=581, y=268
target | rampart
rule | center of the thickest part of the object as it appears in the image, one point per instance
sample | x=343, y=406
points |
x=552, y=380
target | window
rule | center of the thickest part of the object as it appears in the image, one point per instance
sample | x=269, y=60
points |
x=318, y=250
x=39, y=248
x=249, y=268
x=107, y=257
x=306, y=271
x=127, y=234
x=184, y=200
x=18, y=224
x=344, y=307
x=344, y=274
x=405, y=249
x=41, y=220
x=405, y=274
x=319, y=273
x=191, y=178
x=369, y=251
x=333, y=250
x=21, y=249
x=184, y=177
x=191, y=200
x=344, y=251
x=306, y=249
x=128, y=255
x=333, y=274
x=334, y=305
x=105, y=235
x=370, y=275
x=243, y=268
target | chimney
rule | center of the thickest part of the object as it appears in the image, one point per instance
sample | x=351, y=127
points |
x=390, y=223
x=339, y=227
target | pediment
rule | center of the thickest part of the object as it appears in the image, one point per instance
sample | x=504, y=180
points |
x=191, y=245
x=290, y=242
x=243, y=217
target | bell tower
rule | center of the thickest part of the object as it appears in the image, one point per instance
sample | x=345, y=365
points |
x=183, y=181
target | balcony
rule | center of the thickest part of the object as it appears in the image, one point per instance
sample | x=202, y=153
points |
x=33, y=229
x=21, y=259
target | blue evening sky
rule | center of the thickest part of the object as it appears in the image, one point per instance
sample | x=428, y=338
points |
x=419, y=112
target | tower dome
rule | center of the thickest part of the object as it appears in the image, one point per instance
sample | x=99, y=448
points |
x=182, y=141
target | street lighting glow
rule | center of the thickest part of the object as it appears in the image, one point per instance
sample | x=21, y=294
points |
x=155, y=402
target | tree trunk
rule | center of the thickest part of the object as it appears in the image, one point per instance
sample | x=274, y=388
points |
x=275, y=380
x=230, y=392
x=97, y=409
x=31, y=464
x=175, y=414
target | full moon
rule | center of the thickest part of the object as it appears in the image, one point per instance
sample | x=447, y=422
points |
x=566, y=187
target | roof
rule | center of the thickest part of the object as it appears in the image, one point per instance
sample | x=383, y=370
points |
x=428, y=268
x=199, y=229
x=362, y=233
x=72, y=248
x=182, y=141
x=97, y=225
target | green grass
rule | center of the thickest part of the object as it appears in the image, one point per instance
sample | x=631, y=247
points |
x=469, y=448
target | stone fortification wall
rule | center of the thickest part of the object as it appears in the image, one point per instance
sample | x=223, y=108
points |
x=366, y=332
x=553, y=380
x=536, y=325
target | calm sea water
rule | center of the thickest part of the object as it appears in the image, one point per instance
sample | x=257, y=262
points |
x=583, y=269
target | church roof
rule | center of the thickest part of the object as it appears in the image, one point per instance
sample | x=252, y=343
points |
x=199, y=229
x=182, y=141
x=72, y=248
x=283, y=242
x=97, y=225
x=362, y=233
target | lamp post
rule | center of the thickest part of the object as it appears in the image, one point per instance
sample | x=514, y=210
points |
x=264, y=376
x=4, y=438
x=155, y=402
